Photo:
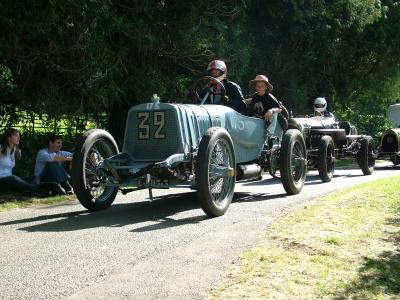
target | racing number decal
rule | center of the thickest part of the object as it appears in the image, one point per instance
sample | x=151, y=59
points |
x=144, y=124
x=144, y=129
x=159, y=120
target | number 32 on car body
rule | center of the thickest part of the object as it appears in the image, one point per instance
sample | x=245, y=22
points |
x=144, y=124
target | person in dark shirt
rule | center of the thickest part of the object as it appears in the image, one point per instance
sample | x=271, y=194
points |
x=263, y=104
x=234, y=96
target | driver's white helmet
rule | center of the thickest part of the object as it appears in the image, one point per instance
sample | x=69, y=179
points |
x=218, y=65
x=320, y=104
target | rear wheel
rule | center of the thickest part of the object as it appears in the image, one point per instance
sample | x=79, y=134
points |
x=92, y=149
x=215, y=172
x=366, y=157
x=326, y=159
x=293, y=162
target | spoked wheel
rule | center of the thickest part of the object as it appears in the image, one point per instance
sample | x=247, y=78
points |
x=366, y=156
x=93, y=148
x=326, y=159
x=215, y=172
x=293, y=161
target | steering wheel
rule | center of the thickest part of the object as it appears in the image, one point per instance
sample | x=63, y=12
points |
x=213, y=87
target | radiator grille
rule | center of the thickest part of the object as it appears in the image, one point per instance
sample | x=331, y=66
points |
x=147, y=139
x=390, y=143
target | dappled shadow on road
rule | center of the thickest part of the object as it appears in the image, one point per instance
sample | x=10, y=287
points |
x=379, y=274
x=352, y=175
x=388, y=167
x=312, y=179
x=170, y=222
x=45, y=217
x=266, y=181
x=117, y=215
x=255, y=197
x=237, y=198
x=160, y=211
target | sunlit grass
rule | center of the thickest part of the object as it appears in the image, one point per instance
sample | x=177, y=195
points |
x=14, y=201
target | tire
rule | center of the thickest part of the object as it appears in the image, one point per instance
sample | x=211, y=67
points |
x=275, y=173
x=326, y=159
x=215, y=141
x=293, y=161
x=365, y=156
x=395, y=160
x=84, y=173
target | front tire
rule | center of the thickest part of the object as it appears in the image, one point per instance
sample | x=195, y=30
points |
x=395, y=160
x=326, y=159
x=92, y=149
x=365, y=156
x=293, y=161
x=215, y=172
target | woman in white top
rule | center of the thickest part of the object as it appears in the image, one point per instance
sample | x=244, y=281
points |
x=9, y=153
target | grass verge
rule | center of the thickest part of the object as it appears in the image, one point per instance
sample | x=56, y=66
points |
x=344, y=245
x=13, y=201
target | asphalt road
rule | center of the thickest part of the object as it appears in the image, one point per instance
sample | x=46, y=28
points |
x=166, y=249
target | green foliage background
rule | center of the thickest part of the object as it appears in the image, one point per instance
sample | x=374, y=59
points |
x=96, y=58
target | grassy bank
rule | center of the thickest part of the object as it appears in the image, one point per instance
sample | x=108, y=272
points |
x=344, y=245
x=13, y=201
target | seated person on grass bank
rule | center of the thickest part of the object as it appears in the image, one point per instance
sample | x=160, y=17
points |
x=49, y=167
x=9, y=154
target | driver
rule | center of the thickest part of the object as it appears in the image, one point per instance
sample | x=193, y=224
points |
x=320, y=110
x=263, y=104
x=234, y=97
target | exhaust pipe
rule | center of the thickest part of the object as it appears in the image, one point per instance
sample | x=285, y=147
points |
x=245, y=172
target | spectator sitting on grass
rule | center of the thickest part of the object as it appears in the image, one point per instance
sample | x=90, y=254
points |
x=9, y=153
x=49, y=168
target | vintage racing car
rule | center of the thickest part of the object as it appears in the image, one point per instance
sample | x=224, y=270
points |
x=328, y=140
x=203, y=147
x=389, y=147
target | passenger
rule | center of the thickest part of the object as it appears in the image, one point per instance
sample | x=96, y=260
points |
x=320, y=110
x=234, y=95
x=49, y=168
x=9, y=154
x=263, y=104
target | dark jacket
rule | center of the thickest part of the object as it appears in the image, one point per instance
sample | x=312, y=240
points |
x=234, y=96
x=261, y=104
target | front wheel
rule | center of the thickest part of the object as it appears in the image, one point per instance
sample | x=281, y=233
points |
x=293, y=161
x=326, y=159
x=95, y=146
x=395, y=160
x=215, y=172
x=366, y=157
